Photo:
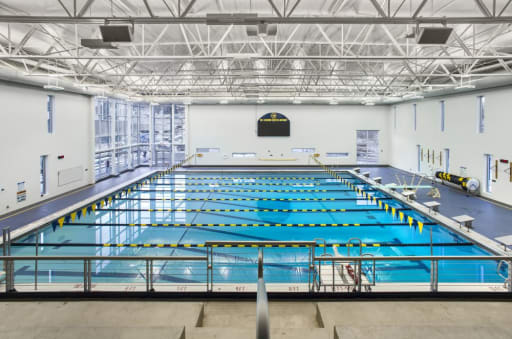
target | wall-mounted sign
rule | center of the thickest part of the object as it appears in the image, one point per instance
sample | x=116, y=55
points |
x=273, y=125
x=21, y=194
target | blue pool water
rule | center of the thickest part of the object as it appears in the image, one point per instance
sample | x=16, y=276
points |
x=176, y=214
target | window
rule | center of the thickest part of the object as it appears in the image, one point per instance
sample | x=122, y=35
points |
x=488, y=173
x=414, y=115
x=394, y=117
x=442, y=114
x=336, y=154
x=42, y=174
x=367, y=147
x=481, y=114
x=50, y=109
x=207, y=150
x=303, y=150
x=244, y=155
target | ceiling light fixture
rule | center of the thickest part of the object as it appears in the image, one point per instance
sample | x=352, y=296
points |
x=466, y=86
x=53, y=87
x=224, y=101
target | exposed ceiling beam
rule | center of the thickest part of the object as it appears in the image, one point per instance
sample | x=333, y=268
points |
x=96, y=20
x=85, y=7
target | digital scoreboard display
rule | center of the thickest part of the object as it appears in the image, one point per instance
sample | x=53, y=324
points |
x=273, y=125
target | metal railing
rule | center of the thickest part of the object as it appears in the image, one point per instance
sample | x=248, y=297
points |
x=325, y=273
x=357, y=282
x=87, y=265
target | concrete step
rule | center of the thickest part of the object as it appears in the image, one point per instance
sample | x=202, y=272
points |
x=289, y=315
x=433, y=331
x=95, y=332
x=249, y=333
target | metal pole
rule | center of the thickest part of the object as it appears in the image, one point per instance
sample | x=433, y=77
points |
x=89, y=276
x=36, y=261
x=509, y=275
x=260, y=263
x=151, y=276
x=11, y=263
x=85, y=275
x=4, y=252
x=147, y=275
x=359, y=276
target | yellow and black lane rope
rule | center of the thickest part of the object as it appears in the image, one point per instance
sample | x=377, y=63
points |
x=253, y=178
x=254, y=199
x=245, y=245
x=239, y=184
x=246, y=225
x=294, y=210
x=246, y=190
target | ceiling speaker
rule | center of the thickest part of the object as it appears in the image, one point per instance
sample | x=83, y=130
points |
x=97, y=44
x=433, y=35
x=116, y=33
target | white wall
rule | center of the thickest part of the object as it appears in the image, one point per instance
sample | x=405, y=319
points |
x=467, y=147
x=233, y=128
x=24, y=138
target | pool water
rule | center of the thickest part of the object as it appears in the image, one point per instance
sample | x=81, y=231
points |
x=176, y=214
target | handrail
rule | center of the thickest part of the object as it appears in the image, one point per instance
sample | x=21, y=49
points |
x=414, y=258
x=260, y=243
x=155, y=258
x=262, y=314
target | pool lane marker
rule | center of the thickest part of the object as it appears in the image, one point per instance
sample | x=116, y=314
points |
x=254, y=199
x=151, y=245
x=245, y=190
x=287, y=210
x=255, y=178
x=247, y=225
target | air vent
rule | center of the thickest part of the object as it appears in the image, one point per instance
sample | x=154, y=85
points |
x=433, y=35
x=116, y=33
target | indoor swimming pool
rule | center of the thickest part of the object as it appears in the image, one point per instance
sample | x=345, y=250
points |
x=177, y=214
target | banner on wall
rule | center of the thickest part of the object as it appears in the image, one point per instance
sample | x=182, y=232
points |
x=273, y=125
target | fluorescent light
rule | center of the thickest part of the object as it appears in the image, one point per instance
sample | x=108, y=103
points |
x=466, y=86
x=333, y=102
x=413, y=96
x=369, y=103
x=53, y=87
x=224, y=101
x=260, y=101
x=296, y=101
x=154, y=103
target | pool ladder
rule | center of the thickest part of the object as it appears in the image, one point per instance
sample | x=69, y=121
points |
x=507, y=278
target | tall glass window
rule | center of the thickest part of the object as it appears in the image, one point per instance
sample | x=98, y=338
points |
x=367, y=147
x=414, y=112
x=42, y=174
x=442, y=114
x=481, y=114
x=131, y=134
x=50, y=110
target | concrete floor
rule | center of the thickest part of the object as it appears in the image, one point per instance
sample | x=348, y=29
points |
x=185, y=320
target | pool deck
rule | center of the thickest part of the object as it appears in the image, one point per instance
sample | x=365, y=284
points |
x=491, y=220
